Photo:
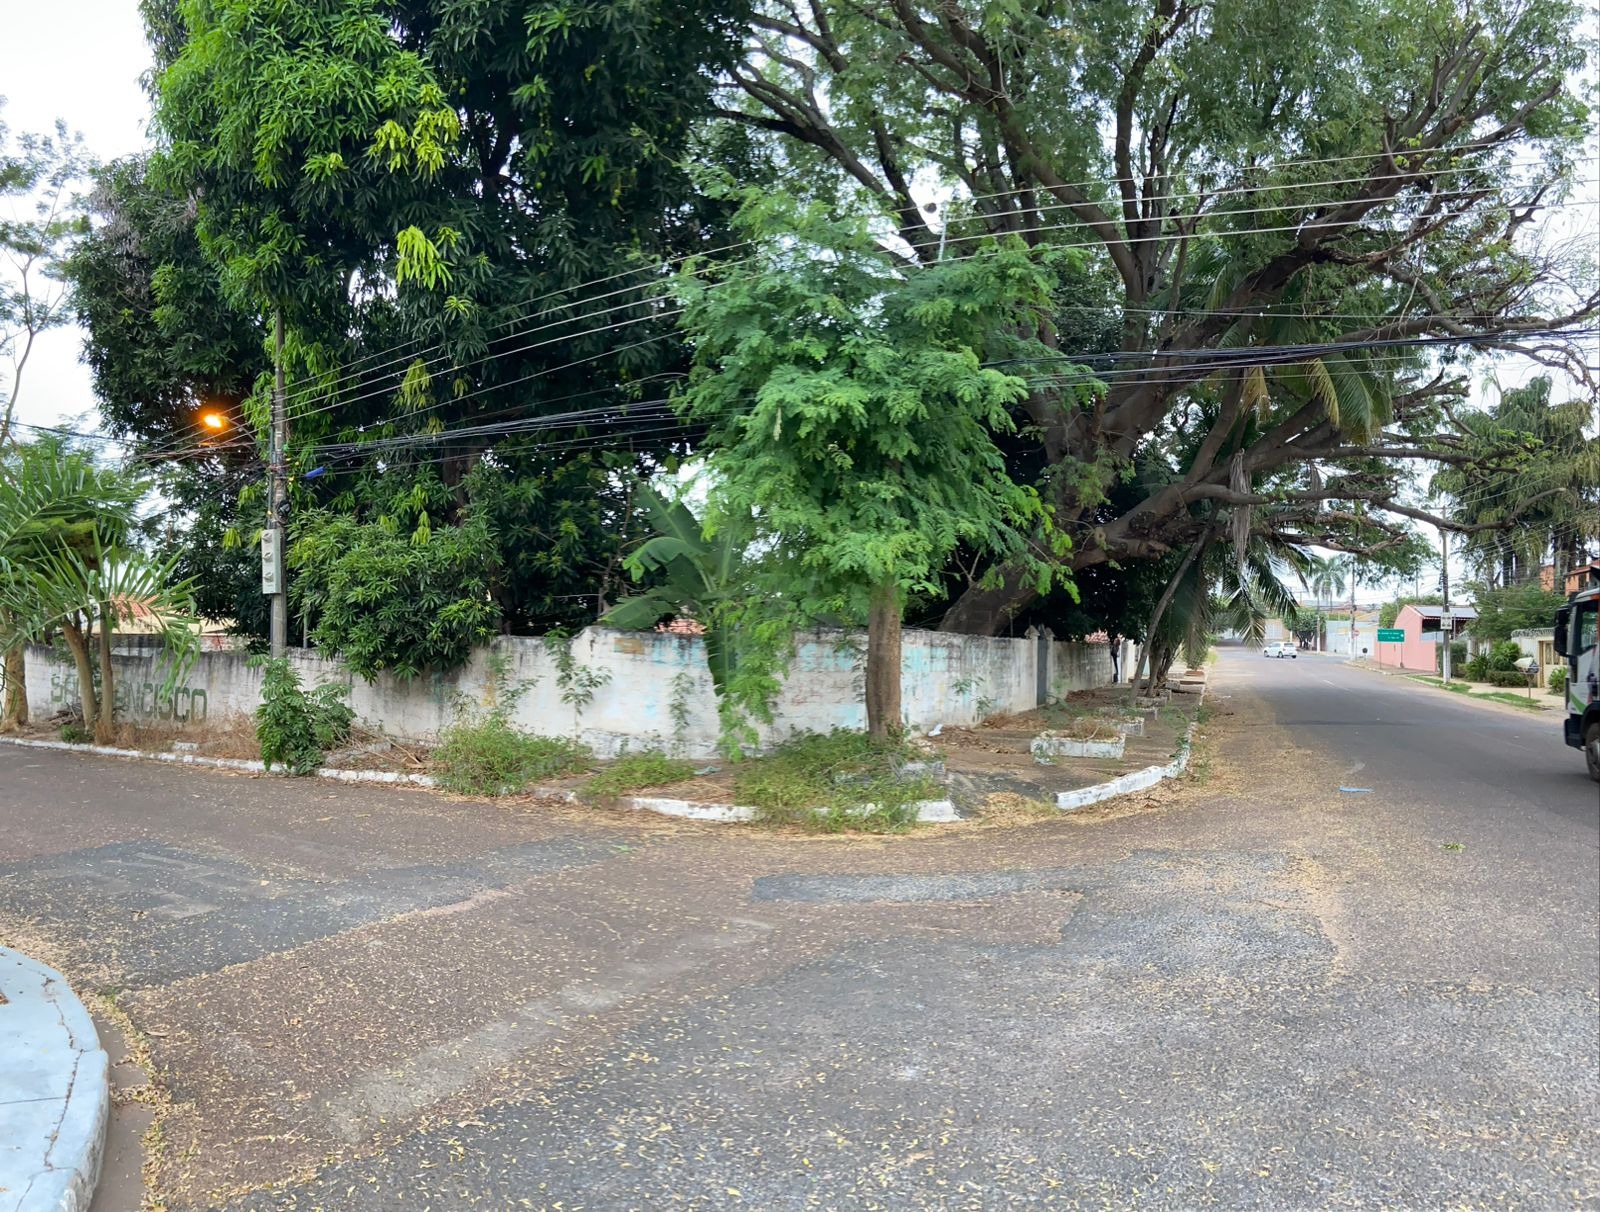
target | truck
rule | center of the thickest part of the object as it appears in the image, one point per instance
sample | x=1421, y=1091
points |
x=1575, y=642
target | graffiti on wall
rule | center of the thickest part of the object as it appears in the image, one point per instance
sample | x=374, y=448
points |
x=137, y=700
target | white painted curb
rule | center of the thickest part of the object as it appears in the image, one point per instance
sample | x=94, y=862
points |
x=1138, y=780
x=247, y=765
x=53, y=1164
x=929, y=812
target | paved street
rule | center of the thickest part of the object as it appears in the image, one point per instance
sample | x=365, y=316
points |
x=1253, y=990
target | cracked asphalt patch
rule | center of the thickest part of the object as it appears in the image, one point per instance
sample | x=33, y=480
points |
x=199, y=913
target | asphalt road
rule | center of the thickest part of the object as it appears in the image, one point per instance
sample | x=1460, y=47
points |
x=1254, y=990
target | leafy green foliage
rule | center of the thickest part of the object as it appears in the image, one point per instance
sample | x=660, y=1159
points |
x=40, y=221
x=1540, y=481
x=395, y=173
x=852, y=421
x=1507, y=677
x=1458, y=657
x=1558, y=680
x=635, y=771
x=576, y=681
x=1199, y=137
x=389, y=601
x=293, y=727
x=1501, y=612
x=483, y=753
x=489, y=757
x=75, y=733
x=834, y=782
x=161, y=338
x=1477, y=667
x=1503, y=657
x=707, y=578
x=850, y=411
x=69, y=562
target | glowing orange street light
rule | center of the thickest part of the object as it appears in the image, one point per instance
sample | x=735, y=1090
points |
x=214, y=421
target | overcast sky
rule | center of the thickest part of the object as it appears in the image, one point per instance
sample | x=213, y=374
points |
x=80, y=61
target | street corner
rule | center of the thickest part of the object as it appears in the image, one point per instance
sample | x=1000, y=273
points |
x=54, y=1096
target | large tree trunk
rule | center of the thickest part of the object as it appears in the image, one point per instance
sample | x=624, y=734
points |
x=79, y=646
x=989, y=611
x=16, y=679
x=883, y=663
x=105, y=722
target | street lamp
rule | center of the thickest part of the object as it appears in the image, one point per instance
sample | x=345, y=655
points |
x=214, y=421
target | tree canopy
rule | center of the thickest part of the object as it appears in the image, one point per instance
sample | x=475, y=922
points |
x=1039, y=311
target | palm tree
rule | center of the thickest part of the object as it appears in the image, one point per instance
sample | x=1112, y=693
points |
x=1324, y=576
x=67, y=564
x=1547, y=502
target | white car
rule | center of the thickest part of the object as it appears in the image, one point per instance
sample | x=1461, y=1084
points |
x=1280, y=649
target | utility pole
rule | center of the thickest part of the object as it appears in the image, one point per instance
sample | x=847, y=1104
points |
x=1447, y=629
x=273, y=582
x=1354, y=568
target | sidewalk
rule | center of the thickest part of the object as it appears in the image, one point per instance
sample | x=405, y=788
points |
x=53, y=1093
x=1540, y=701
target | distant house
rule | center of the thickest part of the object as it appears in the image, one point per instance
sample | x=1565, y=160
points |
x=1540, y=644
x=1420, y=649
x=1582, y=577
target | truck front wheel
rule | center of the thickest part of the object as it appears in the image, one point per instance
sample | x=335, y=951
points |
x=1591, y=750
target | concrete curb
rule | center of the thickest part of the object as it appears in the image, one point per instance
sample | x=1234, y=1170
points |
x=929, y=812
x=246, y=765
x=1138, y=780
x=54, y=1092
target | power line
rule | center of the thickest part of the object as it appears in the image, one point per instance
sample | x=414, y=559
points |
x=668, y=263
x=339, y=401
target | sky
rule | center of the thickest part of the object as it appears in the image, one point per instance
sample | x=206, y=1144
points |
x=80, y=61
x=90, y=79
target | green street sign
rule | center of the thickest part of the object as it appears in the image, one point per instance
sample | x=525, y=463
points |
x=1391, y=635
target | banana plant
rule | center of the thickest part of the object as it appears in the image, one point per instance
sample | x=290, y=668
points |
x=695, y=576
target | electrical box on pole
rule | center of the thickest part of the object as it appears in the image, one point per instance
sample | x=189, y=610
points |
x=272, y=561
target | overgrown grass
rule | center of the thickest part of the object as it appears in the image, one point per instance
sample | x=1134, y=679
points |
x=634, y=771
x=1516, y=700
x=823, y=783
x=490, y=757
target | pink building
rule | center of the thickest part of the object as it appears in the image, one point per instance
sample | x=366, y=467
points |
x=1420, y=650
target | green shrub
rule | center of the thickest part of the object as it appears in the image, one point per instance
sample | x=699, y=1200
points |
x=633, y=771
x=1558, y=680
x=821, y=782
x=1458, y=657
x=1507, y=677
x=76, y=734
x=389, y=597
x=295, y=728
x=1505, y=655
x=1478, y=667
x=489, y=757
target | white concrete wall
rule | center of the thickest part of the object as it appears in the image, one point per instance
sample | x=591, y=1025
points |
x=1336, y=638
x=647, y=679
